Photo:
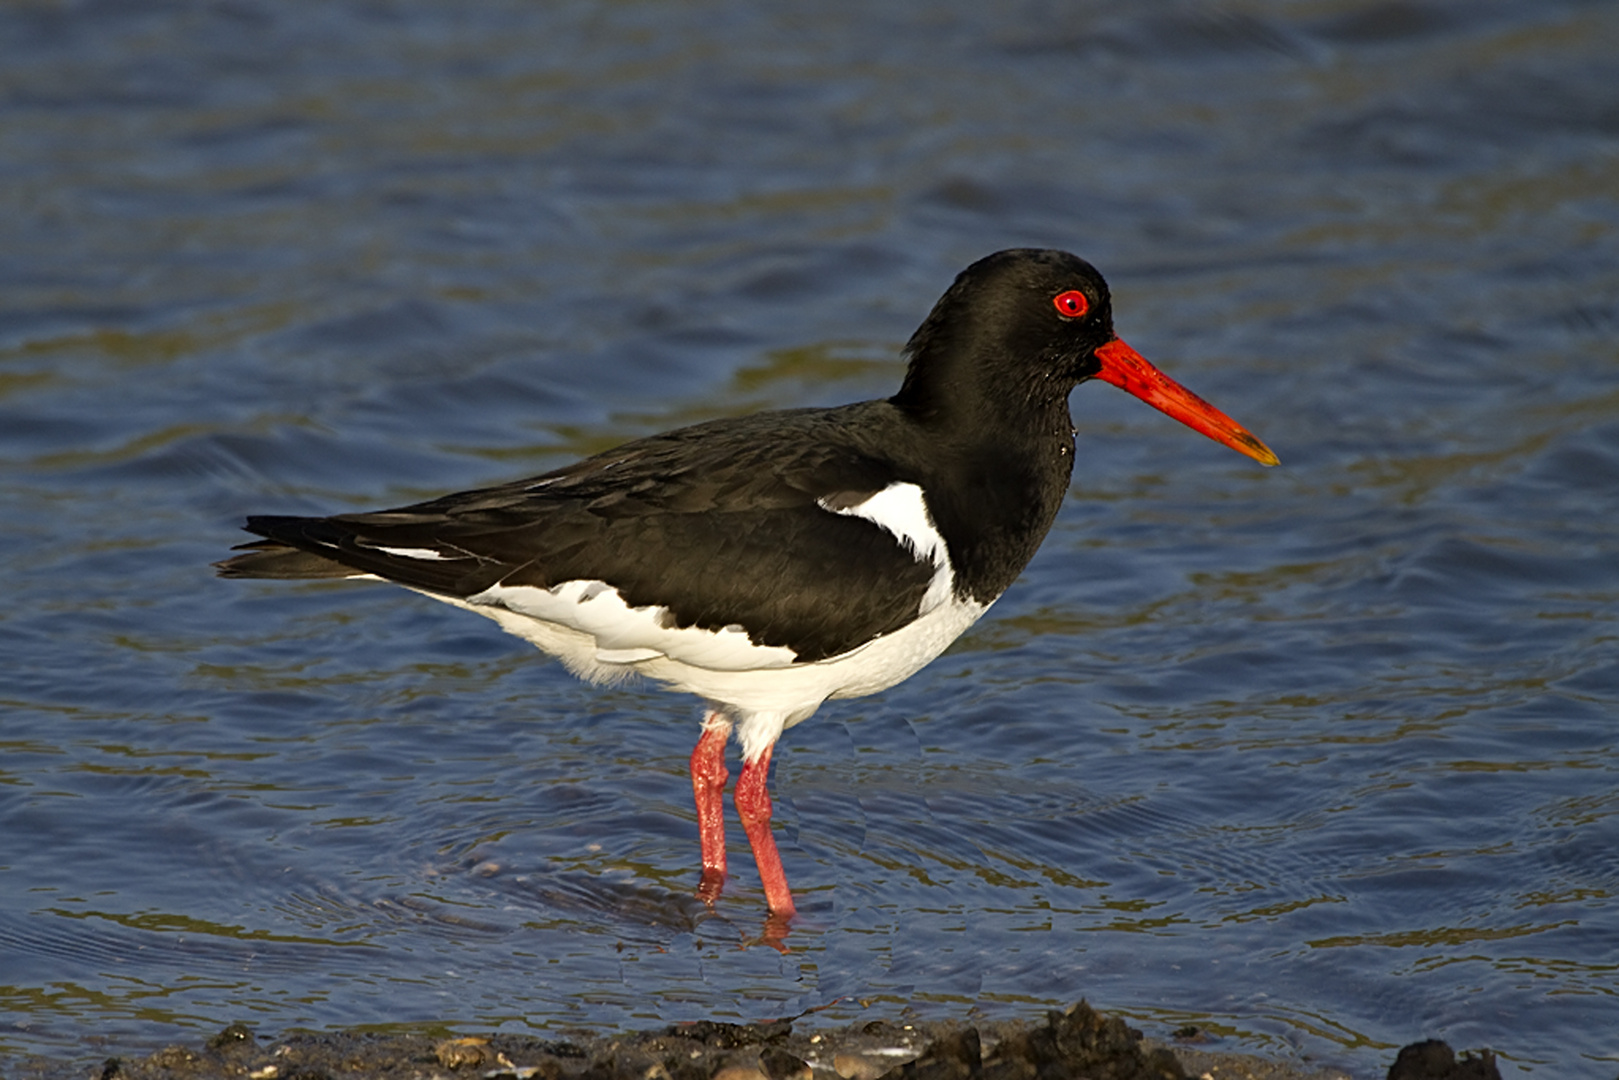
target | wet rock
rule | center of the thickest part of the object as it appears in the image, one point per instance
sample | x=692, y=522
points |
x=1435, y=1060
x=1206, y=1064
x=956, y=1056
x=1067, y=1045
x=550, y=1070
x=858, y=1066
x=730, y=1036
x=464, y=1053
x=1080, y=1043
x=780, y=1065
x=171, y=1058
x=740, y=1072
x=232, y=1037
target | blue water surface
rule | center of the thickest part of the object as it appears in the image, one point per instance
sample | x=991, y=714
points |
x=1320, y=759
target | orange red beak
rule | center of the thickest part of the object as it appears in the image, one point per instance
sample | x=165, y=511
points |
x=1133, y=373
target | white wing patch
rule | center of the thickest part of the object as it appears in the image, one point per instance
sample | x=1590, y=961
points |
x=424, y=554
x=901, y=509
x=620, y=634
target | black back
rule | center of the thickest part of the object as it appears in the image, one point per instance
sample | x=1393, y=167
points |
x=722, y=523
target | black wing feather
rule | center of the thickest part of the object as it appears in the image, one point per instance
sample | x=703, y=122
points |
x=719, y=523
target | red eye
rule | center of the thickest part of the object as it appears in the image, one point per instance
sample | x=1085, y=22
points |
x=1071, y=304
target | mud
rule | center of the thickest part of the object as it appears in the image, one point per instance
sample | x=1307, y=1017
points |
x=1078, y=1043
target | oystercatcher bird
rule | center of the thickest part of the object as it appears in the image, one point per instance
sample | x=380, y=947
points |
x=771, y=562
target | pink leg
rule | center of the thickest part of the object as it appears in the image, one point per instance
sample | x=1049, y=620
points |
x=708, y=776
x=753, y=807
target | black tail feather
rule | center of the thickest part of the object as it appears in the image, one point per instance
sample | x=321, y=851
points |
x=273, y=559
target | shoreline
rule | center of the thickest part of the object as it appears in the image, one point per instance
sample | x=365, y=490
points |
x=1078, y=1042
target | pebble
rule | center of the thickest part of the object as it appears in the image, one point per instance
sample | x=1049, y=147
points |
x=741, y=1072
x=860, y=1067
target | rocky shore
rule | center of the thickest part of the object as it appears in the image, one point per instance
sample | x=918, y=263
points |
x=1078, y=1043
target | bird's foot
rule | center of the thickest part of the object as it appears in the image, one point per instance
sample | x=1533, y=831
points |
x=710, y=885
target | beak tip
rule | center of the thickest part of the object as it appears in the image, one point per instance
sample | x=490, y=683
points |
x=1246, y=443
x=1262, y=454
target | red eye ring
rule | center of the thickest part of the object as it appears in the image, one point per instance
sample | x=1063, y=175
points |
x=1072, y=304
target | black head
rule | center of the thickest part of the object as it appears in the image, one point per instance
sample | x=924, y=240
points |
x=1017, y=328
x=1006, y=343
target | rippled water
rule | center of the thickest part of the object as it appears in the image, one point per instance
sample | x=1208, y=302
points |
x=1320, y=758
